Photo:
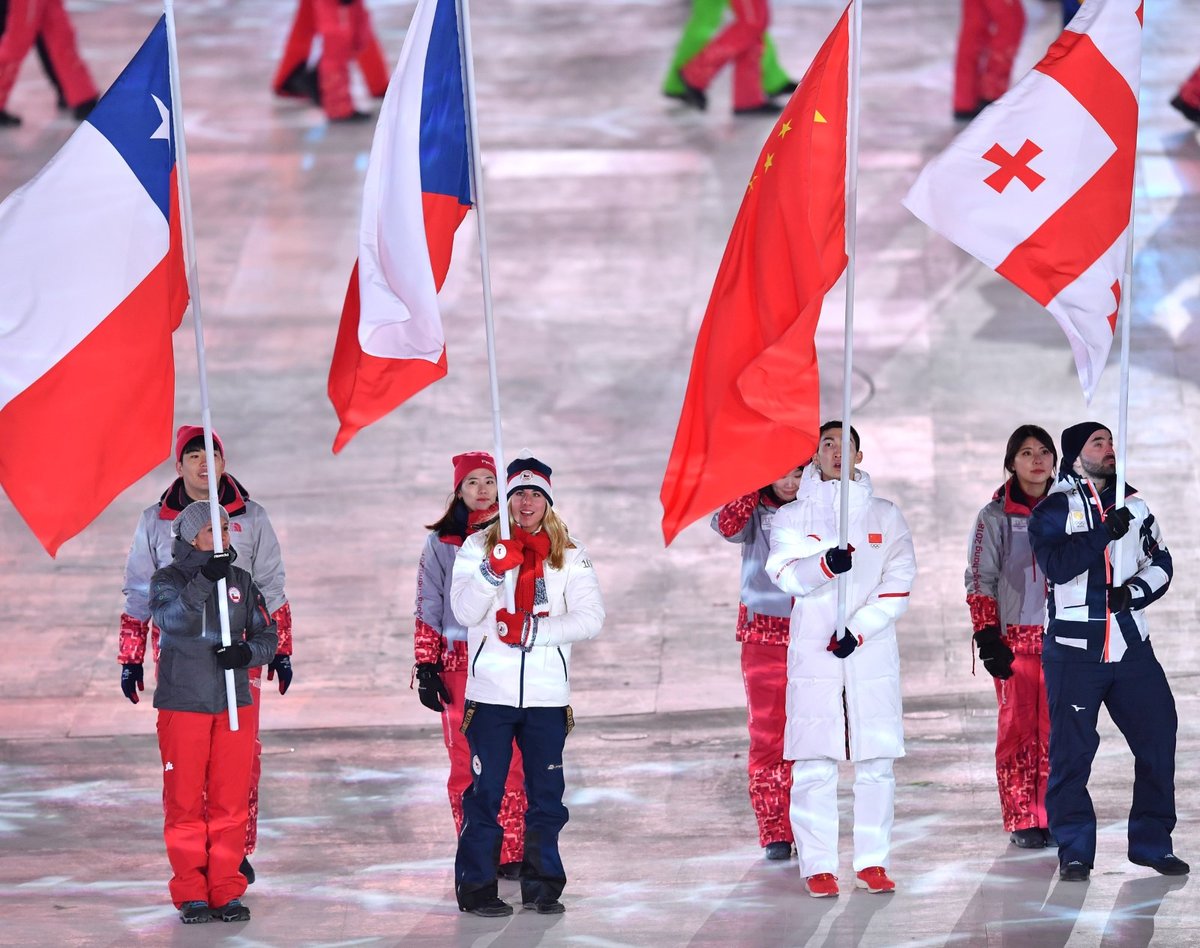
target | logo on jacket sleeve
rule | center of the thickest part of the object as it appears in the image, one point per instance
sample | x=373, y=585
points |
x=235, y=594
x=875, y=539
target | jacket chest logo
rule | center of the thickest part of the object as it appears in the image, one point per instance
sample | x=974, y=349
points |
x=235, y=594
x=875, y=539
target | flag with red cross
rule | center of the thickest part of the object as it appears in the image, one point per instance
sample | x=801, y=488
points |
x=1039, y=187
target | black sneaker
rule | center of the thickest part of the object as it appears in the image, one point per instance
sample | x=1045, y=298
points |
x=232, y=911
x=355, y=116
x=778, y=851
x=84, y=109
x=509, y=870
x=247, y=870
x=8, y=120
x=1033, y=838
x=763, y=108
x=545, y=908
x=1074, y=871
x=692, y=95
x=786, y=89
x=492, y=908
x=1189, y=112
x=1168, y=865
x=301, y=83
x=194, y=913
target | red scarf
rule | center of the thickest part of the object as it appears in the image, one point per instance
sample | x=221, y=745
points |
x=537, y=548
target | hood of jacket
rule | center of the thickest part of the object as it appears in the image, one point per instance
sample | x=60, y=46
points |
x=230, y=494
x=821, y=493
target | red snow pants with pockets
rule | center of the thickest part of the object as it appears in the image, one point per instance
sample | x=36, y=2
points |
x=206, y=784
x=28, y=20
x=988, y=39
x=742, y=42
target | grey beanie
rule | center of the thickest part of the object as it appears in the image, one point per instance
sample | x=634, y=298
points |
x=194, y=518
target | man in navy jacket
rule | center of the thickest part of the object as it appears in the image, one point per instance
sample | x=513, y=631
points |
x=1105, y=564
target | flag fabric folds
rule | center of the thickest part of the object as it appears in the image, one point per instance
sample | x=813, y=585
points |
x=1040, y=186
x=390, y=343
x=92, y=270
x=751, y=411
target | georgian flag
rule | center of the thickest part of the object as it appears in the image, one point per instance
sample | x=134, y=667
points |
x=1040, y=186
x=92, y=285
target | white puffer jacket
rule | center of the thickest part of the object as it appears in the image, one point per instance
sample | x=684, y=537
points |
x=880, y=580
x=501, y=674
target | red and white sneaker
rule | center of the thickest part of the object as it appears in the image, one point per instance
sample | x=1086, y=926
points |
x=822, y=885
x=875, y=880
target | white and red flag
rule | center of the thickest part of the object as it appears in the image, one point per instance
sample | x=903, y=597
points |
x=1040, y=186
x=92, y=285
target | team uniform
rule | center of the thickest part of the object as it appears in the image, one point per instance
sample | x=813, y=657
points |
x=989, y=36
x=842, y=709
x=763, y=631
x=46, y=23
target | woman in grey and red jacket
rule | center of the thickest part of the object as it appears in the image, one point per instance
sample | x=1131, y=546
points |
x=1006, y=593
x=440, y=645
x=762, y=627
x=206, y=766
x=518, y=686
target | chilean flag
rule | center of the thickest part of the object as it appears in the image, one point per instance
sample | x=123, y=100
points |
x=390, y=343
x=1040, y=186
x=92, y=271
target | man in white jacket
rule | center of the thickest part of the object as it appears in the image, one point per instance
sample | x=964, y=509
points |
x=843, y=693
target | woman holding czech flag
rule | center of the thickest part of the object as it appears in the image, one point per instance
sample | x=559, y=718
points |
x=518, y=685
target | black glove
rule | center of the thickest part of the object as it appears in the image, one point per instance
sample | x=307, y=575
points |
x=430, y=687
x=838, y=560
x=994, y=652
x=237, y=655
x=1117, y=522
x=844, y=646
x=283, y=665
x=1119, y=598
x=217, y=566
x=131, y=681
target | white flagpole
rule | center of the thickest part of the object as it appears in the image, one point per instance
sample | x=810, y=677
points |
x=193, y=279
x=1124, y=315
x=464, y=33
x=848, y=344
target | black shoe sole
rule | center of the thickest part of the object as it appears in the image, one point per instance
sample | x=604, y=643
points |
x=1167, y=871
x=545, y=908
x=488, y=912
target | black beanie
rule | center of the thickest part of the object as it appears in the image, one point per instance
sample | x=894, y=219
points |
x=1073, y=439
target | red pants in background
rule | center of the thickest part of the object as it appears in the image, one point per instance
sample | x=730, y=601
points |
x=206, y=782
x=346, y=34
x=764, y=672
x=742, y=42
x=1023, y=744
x=28, y=20
x=988, y=39
x=512, y=807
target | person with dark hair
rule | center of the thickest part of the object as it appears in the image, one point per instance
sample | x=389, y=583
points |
x=1006, y=593
x=519, y=685
x=1187, y=99
x=206, y=766
x=762, y=630
x=440, y=646
x=740, y=43
x=45, y=22
x=346, y=34
x=1105, y=564
x=703, y=24
x=843, y=690
x=989, y=35
x=254, y=539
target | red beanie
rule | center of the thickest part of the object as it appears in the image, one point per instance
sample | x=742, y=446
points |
x=187, y=432
x=464, y=464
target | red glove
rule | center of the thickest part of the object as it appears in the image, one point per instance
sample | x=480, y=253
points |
x=506, y=555
x=509, y=626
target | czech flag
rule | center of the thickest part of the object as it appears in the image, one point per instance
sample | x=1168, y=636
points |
x=92, y=271
x=390, y=343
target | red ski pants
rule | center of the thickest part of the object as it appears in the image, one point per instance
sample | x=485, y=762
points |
x=740, y=42
x=206, y=779
x=764, y=672
x=346, y=34
x=988, y=39
x=1023, y=744
x=513, y=805
x=28, y=20
x=1190, y=90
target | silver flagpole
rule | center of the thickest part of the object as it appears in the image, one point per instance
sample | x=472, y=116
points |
x=193, y=279
x=464, y=33
x=848, y=344
x=1124, y=315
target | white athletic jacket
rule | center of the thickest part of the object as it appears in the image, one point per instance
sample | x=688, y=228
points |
x=868, y=724
x=502, y=674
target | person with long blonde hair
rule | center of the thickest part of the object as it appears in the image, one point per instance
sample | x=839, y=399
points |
x=518, y=685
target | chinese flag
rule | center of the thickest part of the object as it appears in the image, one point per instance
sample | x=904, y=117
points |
x=751, y=412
